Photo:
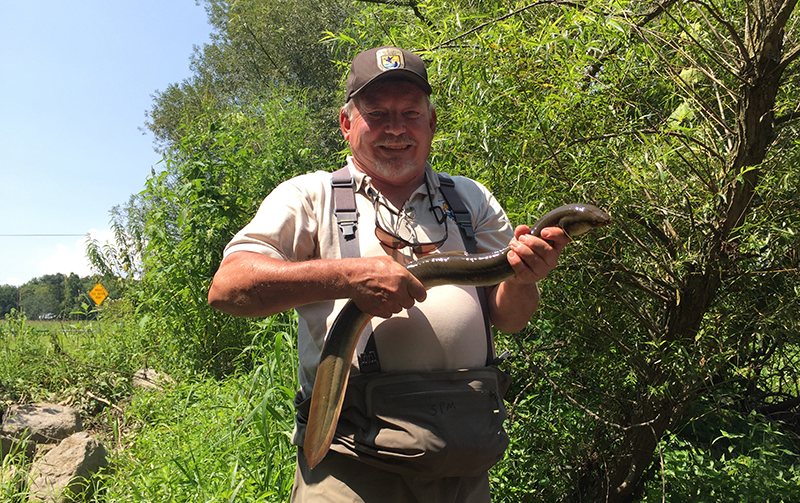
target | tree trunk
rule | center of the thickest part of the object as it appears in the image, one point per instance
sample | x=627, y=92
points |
x=760, y=75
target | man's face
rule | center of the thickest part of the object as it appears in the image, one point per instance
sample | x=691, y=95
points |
x=390, y=131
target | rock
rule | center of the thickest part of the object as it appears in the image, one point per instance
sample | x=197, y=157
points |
x=150, y=379
x=7, y=474
x=14, y=445
x=66, y=469
x=41, y=422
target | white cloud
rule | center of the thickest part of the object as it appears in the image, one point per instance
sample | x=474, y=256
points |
x=72, y=258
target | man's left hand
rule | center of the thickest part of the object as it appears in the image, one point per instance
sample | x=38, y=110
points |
x=534, y=257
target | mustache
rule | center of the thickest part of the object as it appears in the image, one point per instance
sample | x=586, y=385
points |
x=395, y=142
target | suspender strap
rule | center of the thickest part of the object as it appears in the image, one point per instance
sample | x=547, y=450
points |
x=460, y=212
x=344, y=207
x=462, y=217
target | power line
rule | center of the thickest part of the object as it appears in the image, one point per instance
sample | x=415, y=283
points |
x=39, y=235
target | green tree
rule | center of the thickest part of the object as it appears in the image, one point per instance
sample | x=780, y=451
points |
x=57, y=296
x=212, y=184
x=120, y=262
x=256, y=48
x=39, y=300
x=680, y=119
x=77, y=303
x=9, y=299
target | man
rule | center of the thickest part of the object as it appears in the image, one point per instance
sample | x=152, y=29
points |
x=290, y=256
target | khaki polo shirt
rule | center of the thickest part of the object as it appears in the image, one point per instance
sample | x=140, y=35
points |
x=296, y=223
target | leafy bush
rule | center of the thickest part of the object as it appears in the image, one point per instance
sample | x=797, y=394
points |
x=208, y=440
x=759, y=464
x=213, y=182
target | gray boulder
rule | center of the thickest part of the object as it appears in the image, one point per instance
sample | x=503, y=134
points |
x=40, y=422
x=65, y=470
x=150, y=379
x=11, y=445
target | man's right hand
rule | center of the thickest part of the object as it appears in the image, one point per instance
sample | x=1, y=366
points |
x=382, y=287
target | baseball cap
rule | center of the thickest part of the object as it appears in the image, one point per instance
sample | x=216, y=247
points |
x=383, y=62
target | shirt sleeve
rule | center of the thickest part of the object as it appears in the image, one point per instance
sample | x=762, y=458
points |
x=493, y=230
x=285, y=226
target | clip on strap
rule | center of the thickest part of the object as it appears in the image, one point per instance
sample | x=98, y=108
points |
x=344, y=208
x=368, y=361
x=459, y=209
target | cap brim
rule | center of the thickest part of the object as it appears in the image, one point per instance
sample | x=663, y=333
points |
x=398, y=74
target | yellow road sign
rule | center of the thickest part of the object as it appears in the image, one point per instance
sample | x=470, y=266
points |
x=98, y=294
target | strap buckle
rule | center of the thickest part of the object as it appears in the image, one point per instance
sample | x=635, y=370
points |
x=368, y=361
x=348, y=228
x=342, y=182
x=465, y=223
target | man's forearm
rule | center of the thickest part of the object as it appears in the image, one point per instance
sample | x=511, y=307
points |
x=511, y=305
x=253, y=285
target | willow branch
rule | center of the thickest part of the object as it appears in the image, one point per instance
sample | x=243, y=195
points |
x=737, y=41
x=786, y=118
x=585, y=409
x=503, y=17
x=410, y=4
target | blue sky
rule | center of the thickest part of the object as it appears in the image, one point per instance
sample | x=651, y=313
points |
x=76, y=79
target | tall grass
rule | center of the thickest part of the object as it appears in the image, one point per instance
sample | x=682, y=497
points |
x=197, y=439
x=87, y=365
x=12, y=475
x=208, y=440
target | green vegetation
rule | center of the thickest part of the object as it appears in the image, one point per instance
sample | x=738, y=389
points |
x=206, y=440
x=197, y=440
x=86, y=364
x=55, y=296
x=663, y=364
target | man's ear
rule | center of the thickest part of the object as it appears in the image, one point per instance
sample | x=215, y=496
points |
x=344, y=124
x=433, y=120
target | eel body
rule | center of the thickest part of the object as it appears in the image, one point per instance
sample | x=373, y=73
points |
x=451, y=268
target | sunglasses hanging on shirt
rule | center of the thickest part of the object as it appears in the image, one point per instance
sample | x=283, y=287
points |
x=394, y=241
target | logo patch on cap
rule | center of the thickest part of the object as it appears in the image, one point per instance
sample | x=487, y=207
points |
x=389, y=59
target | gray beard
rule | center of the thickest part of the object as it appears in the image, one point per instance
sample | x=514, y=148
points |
x=390, y=170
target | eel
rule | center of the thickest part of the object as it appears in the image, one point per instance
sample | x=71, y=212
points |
x=449, y=268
